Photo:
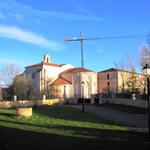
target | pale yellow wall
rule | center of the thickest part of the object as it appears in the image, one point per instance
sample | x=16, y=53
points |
x=123, y=76
x=122, y=79
x=74, y=90
x=90, y=83
x=59, y=91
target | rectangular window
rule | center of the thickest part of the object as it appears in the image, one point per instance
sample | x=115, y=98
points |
x=33, y=76
x=107, y=76
x=108, y=87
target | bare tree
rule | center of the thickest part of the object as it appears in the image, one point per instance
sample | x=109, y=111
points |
x=129, y=78
x=46, y=81
x=144, y=55
x=122, y=67
x=8, y=73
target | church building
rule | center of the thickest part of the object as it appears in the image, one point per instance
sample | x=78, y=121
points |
x=61, y=80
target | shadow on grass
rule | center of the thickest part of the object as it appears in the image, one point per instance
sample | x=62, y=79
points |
x=16, y=139
x=8, y=114
x=86, y=132
x=69, y=113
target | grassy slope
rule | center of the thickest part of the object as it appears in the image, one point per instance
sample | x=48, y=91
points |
x=60, y=127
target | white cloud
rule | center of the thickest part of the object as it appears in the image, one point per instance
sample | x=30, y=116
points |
x=29, y=37
x=71, y=16
x=12, y=9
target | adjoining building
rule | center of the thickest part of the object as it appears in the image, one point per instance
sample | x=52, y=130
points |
x=118, y=81
x=75, y=83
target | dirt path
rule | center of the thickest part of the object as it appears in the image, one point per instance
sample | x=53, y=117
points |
x=136, y=122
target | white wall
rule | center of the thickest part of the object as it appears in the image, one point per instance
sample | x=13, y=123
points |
x=55, y=71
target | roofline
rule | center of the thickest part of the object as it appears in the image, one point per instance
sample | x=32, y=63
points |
x=44, y=63
x=110, y=69
x=71, y=69
x=62, y=79
x=121, y=70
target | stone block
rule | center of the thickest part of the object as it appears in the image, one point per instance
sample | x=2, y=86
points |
x=25, y=112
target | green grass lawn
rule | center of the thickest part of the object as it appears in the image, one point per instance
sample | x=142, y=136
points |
x=124, y=108
x=63, y=127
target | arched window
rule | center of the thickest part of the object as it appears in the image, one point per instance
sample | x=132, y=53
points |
x=47, y=60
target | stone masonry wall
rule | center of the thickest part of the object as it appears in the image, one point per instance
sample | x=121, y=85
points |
x=28, y=103
x=128, y=102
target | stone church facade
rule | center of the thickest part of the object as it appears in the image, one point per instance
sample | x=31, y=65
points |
x=61, y=80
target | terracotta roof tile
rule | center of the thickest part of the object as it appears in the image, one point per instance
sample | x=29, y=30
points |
x=35, y=65
x=75, y=70
x=60, y=81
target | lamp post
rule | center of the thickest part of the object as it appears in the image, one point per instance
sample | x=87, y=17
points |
x=83, y=96
x=64, y=93
x=146, y=71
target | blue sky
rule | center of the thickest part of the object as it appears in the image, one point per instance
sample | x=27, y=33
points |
x=31, y=28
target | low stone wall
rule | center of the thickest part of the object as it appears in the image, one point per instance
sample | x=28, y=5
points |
x=28, y=103
x=128, y=102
